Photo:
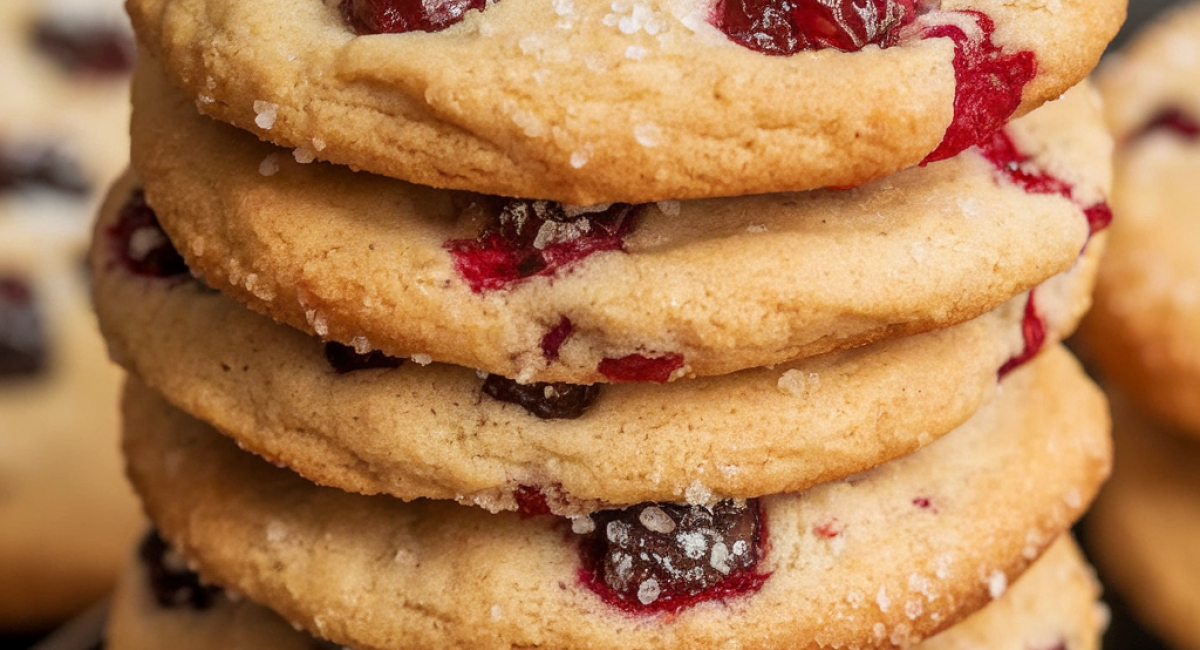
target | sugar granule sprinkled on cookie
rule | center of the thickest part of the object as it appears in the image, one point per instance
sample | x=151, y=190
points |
x=265, y=114
x=997, y=584
x=422, y=359
x=798, y=383
x=881, y=599
x=269, y=165
x=647, y=135
x=303, y=155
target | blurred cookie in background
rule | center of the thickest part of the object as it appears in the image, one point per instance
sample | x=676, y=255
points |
x=66, y=515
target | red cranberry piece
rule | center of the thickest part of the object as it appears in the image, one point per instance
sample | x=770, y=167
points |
x=85, y=48
x=140, y=242
x=663, y=557
x=554, y=339
x=345, y=358
x=548, y=401
x=989, y=85
x=33, y=166
x=22, y=336
x=636, y=367
x=173, y=584
x=400, y=16
x=1033, y=331
x=1174, y=121
x=524, y=238
x=788, y=26
x=530, y=502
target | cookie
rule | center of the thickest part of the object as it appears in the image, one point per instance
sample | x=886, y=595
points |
x=370, y=423
x=1143, y=329
x=647, y=292
x=1053, y=605
x=886, y=557
x=67, y=515
x=585, y=102
x=1145, y=527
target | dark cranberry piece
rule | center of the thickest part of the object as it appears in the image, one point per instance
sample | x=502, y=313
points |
x=1019, y=169
x=1174, y=121
x=86, y=48
x=32, y=166
x=345, y=359
x=553, y=340
x=556, y=401
x=22, y=336
x=399, y=16
x=1033, y=331
x=663, y=557
x=636, y=367
x=524, y=238
x=530, y=502
x=141, y=243
x=788, y=26
x=173, y=584
x=989, y=85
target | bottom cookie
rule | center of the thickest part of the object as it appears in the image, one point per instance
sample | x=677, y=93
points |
x=1145, y=529
x=159, y=605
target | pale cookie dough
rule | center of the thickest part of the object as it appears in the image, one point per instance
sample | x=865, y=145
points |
x=67, y=515
x=587, y=101
x=1145, y=528
x=707, y=287
x=1052, y=605
x=888, y=557
x=1144, y=330
x=431, y=431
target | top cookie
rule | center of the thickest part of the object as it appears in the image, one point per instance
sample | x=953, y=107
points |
x=1143, y=330
x=589, y=101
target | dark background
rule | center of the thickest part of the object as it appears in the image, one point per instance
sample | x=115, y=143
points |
x=1124, y=633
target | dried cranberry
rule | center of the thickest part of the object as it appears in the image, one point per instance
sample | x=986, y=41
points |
x=141, y=244
x=789, y=26
x=1172, y=120
x=524, y=238
x=989, y=84
x=400, y=16
x=664, y=557
x=22, y=335
x=530, y=502
x=86, y=48
x=637, y=367
x=173, y=584
x=1033, y=331
x=548, y=401
x=345, y=358
x=553, y=340
x=32, y=166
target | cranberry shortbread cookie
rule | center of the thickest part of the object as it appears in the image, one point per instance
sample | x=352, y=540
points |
x=1144, y=328
x=544, y=292
x=883, y=558
x=1145, y=528
x=161, y=605
x=586, y=101
x=365, y=422
x=66, y=513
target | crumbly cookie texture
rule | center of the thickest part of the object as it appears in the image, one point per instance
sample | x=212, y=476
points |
x=759, y=431
x=692, y=288
x=1143, y=330
x=887, y=557
x=587, y=101
x=66, y=513
x=1053, y=604
x=1146, y=523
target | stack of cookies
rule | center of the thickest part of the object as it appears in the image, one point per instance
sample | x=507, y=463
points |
x=1142, y=335
x=674, y=395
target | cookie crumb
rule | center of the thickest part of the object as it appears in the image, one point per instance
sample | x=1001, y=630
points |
x=798, y=383
x=698, y=494
x=265, y=114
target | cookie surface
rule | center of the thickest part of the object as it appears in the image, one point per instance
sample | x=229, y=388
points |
x=686, y=288
x=756, y=432
x=66, y=512
x=1145, y=527
x=892, y=555
x=1053, y=604
x=584, y=102
x=1143, y=330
